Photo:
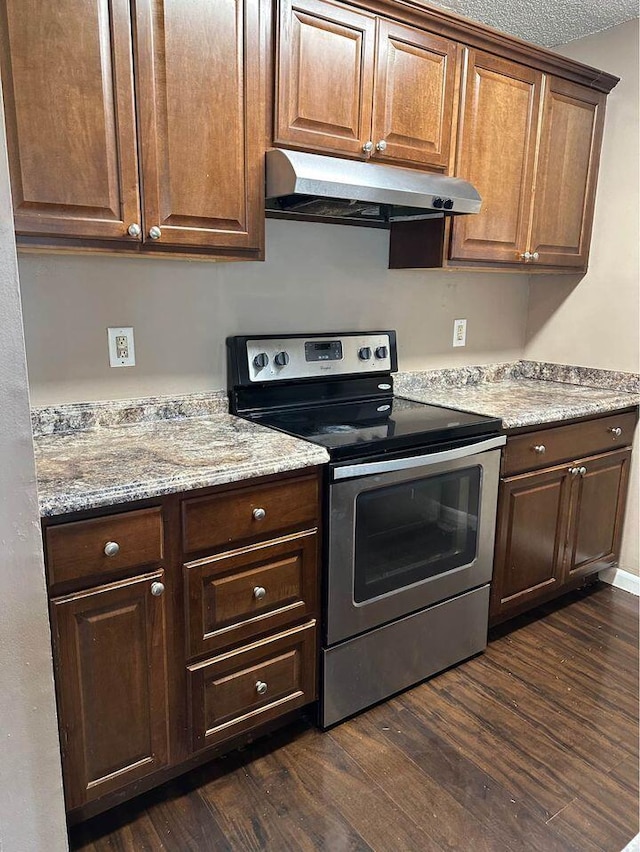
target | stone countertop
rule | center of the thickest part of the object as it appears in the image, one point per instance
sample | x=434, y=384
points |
x=522, y=394
x=99, y=454
x=112, y=464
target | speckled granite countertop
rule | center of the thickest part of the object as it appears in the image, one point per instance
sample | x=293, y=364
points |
x=125, y=460
x=98, y=454
x=524, y=393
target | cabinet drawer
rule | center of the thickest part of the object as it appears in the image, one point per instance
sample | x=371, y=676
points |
x=237, y=596
x=249, y=513
x=77, y=550
x=235, y=692
x=564, y=443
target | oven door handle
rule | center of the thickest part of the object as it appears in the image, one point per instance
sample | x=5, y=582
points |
x=388, y=466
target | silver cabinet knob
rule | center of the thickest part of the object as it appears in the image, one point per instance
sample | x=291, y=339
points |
x=155, y=233
x=261, y=687
x=157, y=589
x=582, y=471
x=368, y=147
x=574, y=471
x=381, y=145
x=111, y=548
x=134, y=230
x=526, y=256
x=540, y=449
x=616, y=431
x=535, y=256
x=259, y=514
x=259, y=593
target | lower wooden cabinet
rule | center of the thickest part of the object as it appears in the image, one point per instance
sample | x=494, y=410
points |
x=162, y=661
x=110, y=648
x=231, y=693
x=599, y=499
x=234, y=597
x=533, y=514
x=559, y=523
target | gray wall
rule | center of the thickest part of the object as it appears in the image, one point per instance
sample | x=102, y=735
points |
x=315, y=278
x=31, y=804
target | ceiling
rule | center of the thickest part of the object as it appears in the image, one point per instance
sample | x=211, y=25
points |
x=545, y=22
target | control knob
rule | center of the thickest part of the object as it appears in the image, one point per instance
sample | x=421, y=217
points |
x=261, y=360
x=448, y=204
x=437, y=202
x=282, y=359
x=382, y=352
x=364, y=353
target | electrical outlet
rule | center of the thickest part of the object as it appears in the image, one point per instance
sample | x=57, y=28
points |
x=121, y=349
x=460, y=332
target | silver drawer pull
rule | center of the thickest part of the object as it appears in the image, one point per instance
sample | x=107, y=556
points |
x=111, y=548
x=259, y=593
x=540, y=449
x=582, y=471
x=616, y=431
x=157, y=589
x=259, y=514
x=261, y=687
x=574, y=471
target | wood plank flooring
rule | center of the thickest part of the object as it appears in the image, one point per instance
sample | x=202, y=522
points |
x=532, y=745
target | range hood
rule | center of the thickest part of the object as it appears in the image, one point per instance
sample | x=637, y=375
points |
x=317, y=187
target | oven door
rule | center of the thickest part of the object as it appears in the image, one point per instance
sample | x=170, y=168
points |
x=407, y=533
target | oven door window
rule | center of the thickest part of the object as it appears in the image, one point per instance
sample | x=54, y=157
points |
x=415, y=531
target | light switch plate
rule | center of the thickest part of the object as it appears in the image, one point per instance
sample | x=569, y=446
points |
x=121, y=347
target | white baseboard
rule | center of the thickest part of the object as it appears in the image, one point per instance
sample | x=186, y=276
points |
x=621, y=580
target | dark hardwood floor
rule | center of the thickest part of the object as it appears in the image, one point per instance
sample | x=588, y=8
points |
x=532, y=745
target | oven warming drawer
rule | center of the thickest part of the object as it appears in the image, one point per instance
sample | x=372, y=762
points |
x=362, y=671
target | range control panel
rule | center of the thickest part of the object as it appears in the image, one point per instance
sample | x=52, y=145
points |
x=289, y=358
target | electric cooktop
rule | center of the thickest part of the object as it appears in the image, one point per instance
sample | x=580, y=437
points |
x=336, y=390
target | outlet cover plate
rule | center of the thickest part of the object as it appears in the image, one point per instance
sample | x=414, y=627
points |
x=121, y=347
x=460, y=332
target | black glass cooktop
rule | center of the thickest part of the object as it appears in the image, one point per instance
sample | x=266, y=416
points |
x=383, y=425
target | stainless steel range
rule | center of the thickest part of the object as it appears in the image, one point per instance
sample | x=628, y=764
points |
x=410, y=497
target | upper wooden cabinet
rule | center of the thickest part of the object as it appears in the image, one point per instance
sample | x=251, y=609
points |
x=530, y=143
x=413, y=95
x=74, y=142
x=201, y=121
x=565, y=184
x=350, y=83
x=325, y=76
x=496, y=154
x=70, y=117
x=141, y=125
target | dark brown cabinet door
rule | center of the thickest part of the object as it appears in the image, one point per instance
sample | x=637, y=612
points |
x=325, y=68
x=201, y=113
x=496, y=153
x=533, y=514
x=110, y=659
x=598, y=504
x=413, y=99
x=570, y=141
x=68, y=92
